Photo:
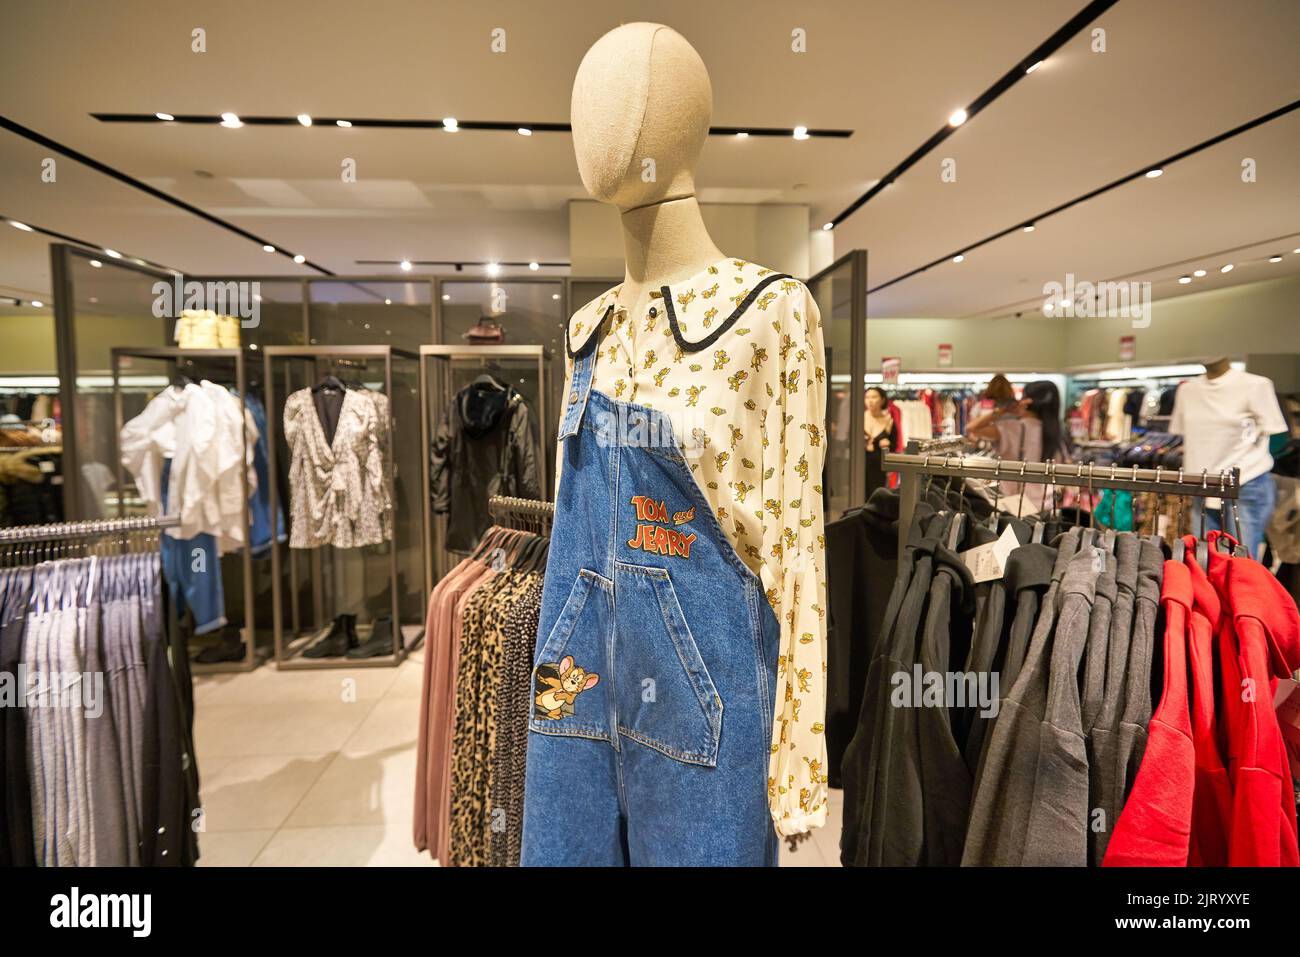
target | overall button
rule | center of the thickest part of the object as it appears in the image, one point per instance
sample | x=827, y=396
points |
x=573, y=397
x=653, y=312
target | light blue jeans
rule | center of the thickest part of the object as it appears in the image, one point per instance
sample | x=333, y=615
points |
x=655, y=672
x=1256, y=502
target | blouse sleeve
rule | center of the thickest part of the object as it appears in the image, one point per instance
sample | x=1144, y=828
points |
x=797, y=779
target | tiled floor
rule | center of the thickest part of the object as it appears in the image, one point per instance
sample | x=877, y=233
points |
x=317, y=768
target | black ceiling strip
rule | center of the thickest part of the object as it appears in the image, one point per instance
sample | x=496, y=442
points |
x=211, y=119
x=1092, y=194
x=19, y=129
x=1009, y=79
x=458, y=263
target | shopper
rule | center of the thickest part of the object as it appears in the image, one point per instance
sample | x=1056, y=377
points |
x=881, y=435
x=1226, y=418
x=1026, y=431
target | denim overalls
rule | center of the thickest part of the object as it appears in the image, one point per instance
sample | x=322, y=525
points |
x=655, y=670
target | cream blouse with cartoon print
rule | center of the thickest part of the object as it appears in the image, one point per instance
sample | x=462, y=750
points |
x=756, y=400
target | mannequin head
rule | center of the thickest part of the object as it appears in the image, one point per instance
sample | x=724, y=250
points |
x=641, y=94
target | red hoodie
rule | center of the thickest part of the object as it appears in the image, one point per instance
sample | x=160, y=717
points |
x=1267, y=628
x=1155, y=827
x=1212, y=802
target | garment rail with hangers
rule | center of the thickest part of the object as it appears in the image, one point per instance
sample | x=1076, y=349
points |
x=522, y=513
x=912, y=466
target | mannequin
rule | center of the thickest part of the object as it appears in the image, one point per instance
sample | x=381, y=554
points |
x=1217, y=367
x=642, y=93
x=686, y=570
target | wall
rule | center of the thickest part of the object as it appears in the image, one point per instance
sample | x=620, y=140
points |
x=1260, y=319
x=28, y=339
x=773, y=235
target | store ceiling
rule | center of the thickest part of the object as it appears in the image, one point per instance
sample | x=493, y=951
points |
x=1175, y=73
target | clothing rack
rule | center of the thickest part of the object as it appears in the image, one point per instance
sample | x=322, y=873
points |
x=64, y=531
x=525, y=514
x=911, y=466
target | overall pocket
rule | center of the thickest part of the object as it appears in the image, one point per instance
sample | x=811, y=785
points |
x=571, y=683
x=665, y=698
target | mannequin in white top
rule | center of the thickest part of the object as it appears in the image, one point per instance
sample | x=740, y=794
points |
x=642, y=102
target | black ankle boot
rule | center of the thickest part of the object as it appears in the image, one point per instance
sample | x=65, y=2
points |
x=379, y=643
x=342, y=636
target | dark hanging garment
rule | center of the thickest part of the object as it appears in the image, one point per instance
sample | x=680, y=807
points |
x=1004, y=790
x=945, y=643
x=1058, y=818
x=16, y=847
x=885, y=794
x=1138, y=705
x=861, y=557
x=483, y=447
x=1093, y=701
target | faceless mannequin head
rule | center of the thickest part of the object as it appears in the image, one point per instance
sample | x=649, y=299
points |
x=641, y=108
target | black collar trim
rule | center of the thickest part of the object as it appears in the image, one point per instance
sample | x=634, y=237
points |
x=727, y=323
x=590, y=341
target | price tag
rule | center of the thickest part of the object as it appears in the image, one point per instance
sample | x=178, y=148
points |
x=988, y=562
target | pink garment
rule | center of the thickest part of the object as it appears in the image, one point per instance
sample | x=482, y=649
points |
x=437, y=705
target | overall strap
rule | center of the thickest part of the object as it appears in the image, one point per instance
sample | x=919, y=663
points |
x=584, y=367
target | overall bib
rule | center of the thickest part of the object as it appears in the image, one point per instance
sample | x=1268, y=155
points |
x=655, y=672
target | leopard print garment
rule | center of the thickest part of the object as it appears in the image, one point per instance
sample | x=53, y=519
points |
x=478, y=678
x=514, y=702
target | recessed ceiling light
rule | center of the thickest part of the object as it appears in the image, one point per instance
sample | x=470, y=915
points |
x=166, y=117
x=742, y=135
x=1049, y=306
x=493, y=269
x=1028, y=229
x=958, y=258
x=1226, y=269
x=267, y=247
x=450, y=125
x=406, y=265
x=23, y=226
x=37, y=303
x=1275, y=259
x=388, y=302
x=253, y=346
x=346, y=124
x=446, y=297
x=300, y=259
x=96, y=263
x=524, y=131
x=1198, y=273
x=1296, y=251
x=1034, y=67
x=230, y=121
x=828, y=226
x=257, y=297
x=1153, y=173
x=958, y=118
x=801, y=132
x=304, y=119
x=555, y=295
x=1184, y=280
x=113, y=253
x=533, y=267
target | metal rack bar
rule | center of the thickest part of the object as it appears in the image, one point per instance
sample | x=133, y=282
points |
x=912, y=466
x=506, y=508
x=94, y=528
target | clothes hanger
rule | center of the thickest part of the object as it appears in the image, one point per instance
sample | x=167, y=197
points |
x=957, y=527
x=1202, y=546
x=330, y=381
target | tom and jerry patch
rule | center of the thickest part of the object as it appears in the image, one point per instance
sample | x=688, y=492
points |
x=653, y=532
x=556, y=685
